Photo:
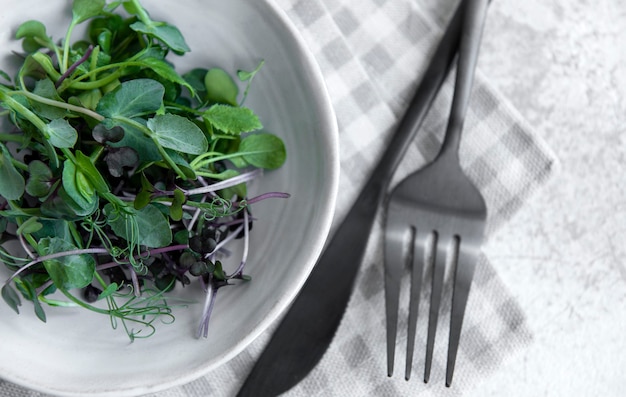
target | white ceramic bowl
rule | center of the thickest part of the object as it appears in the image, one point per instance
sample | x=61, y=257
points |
x=76, y=353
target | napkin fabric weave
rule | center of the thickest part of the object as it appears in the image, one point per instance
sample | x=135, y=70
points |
x=372, y=54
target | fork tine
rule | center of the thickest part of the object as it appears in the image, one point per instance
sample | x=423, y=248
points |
x=439, y=254
x=464, y=273
x=419, y=241
x=394, y=260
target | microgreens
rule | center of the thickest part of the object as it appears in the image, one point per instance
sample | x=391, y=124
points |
x=119, y=177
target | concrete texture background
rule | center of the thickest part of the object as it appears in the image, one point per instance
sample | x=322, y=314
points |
x=562, y=64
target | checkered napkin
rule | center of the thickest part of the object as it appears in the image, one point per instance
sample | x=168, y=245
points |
x=372, y=54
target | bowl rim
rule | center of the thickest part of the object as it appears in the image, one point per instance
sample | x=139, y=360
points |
x=328, y=122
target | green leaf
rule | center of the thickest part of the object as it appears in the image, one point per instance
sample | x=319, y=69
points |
x=45, y=88
x=84, y=187
x=105, y=38
x=67, y=272
x=146, y=184
x=108, y=291
x=11, y=298
x=144, y=196
x=61, y=205
x=176, y=209
x=5, y=75
x=132, y=7
x=245, y=75
x=32, y=68
x=220, y=87
x=148, y=226
x=45, y=62
x=195, y=78
x=53, y=228
x=232, y=120
x=230, y=147
x=166, y=71
x=135, y=139
x=28, y=285
x=31, y=28
x=239, y=190
x=56, y=302
x=263, y=150
x=87, y=99
x=248, y=76
x=89, y=170
x=132, y=99
x=40, y=180
x=82, y=10
x=181, y=237
x=61, y=133
x=12, y=183
x=168, y=34
x=31, y=45
x=29, y=291
x=31, y=225
x=34, y=36
x=183, y=164
x=219, y=271
x=142, y=199
x=77, y=186
x=178, y=133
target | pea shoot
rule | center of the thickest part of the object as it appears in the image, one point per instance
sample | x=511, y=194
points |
x=121, y=179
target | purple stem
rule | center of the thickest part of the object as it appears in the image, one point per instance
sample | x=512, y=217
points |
x=25, y=247
x=246, y=240
x=230, y=237
x=135, y=280
x=234, y=181
x=265, y=196
x=237, y=221
x=58, y=255
x=209, y=303
x=43, y=287
x=76, y=64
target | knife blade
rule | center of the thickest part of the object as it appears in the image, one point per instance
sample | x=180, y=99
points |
x=306, y=331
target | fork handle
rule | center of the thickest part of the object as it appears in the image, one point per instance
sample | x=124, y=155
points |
x=475, y=12
x=425, y=94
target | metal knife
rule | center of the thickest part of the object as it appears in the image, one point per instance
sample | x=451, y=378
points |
x=309, y=326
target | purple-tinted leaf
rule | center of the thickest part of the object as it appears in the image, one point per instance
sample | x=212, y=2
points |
x=118, y=158
x=103, y=134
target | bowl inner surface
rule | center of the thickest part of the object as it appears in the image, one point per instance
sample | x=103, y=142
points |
x=76, y=352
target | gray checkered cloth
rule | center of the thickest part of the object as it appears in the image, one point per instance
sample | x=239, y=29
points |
x=372, y=53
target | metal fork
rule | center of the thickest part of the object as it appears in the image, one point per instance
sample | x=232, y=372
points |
x=436, y=216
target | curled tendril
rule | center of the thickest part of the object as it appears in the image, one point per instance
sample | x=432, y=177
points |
x=141, y=311
x=219, y=207
x=116, y=252
x=94, y=225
